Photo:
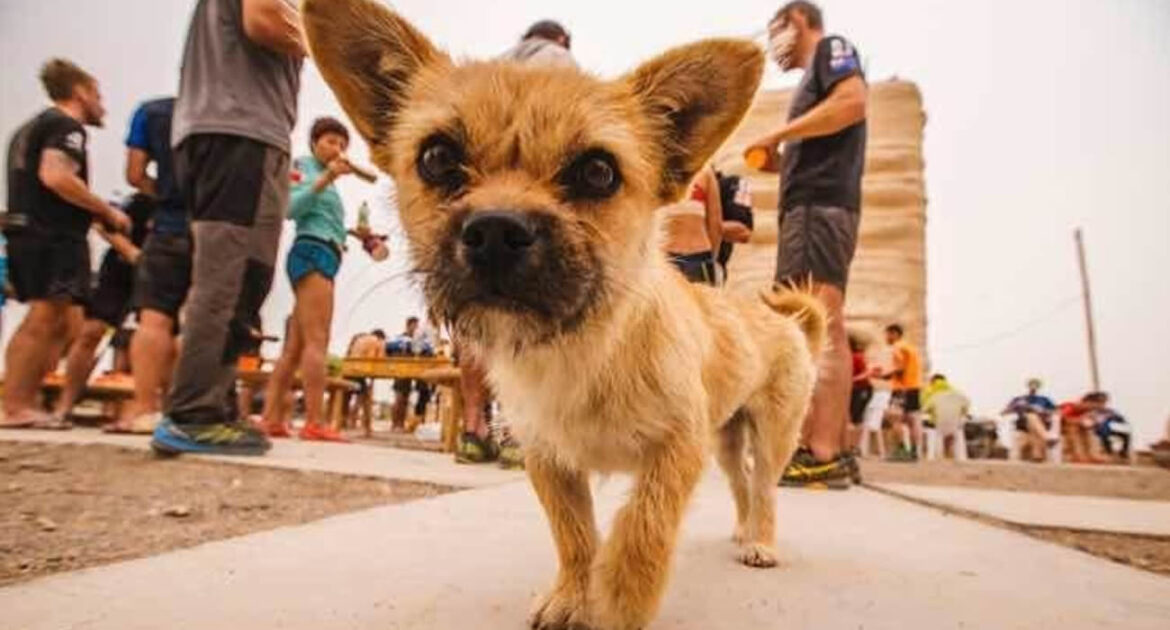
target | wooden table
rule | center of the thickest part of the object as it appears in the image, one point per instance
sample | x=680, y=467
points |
x=440, y=371
x=335, y=387
x=114, y=393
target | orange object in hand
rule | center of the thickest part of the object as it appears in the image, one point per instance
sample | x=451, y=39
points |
x=756, y=158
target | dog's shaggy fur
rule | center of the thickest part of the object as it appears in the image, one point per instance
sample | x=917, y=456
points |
x=605, y=357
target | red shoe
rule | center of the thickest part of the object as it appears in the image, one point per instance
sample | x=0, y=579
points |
x=318, y=433
x=278, y=430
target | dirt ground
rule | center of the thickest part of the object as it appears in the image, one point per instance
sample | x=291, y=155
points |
x=1128, y=482
x=1151, y=553
x=65, y=507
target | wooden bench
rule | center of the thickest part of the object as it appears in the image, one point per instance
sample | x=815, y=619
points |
x=111, y=393
x=336, y=390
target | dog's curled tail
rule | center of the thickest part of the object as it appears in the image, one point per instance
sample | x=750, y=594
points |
x=806, y=309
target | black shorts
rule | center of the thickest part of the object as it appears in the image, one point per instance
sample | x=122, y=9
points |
x=698, y=267
x=110, y=300
x=816, y=242
x=164, y=274
x=48, y=267
x=858, y=400
x=908, y=399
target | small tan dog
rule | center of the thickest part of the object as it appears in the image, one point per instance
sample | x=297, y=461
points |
x=528, y=197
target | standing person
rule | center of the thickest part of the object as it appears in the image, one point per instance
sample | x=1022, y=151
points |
x=860, y=394
x=735, y=197
x=694, y=229
x=235, y=111
x=313, y=263
x=107, y=306
x=163, y=275
x=820, y=211
x=906, y=404
x=544, y=43
x=50, y=209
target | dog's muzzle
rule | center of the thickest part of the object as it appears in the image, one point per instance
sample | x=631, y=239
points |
x=497, y=243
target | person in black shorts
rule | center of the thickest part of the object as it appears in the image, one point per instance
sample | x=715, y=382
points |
x=50, y=210
x=820, y=210
x=861, y=391
x=107, y=306
x=163, y=275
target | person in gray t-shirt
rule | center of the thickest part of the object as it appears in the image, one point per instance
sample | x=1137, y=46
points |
x=233, y=118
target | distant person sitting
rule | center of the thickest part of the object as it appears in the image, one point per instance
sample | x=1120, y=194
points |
x=948, y=410
x=371, y=345
x=1078, y=423
x=1112, y=429
x=412, y=342
x=1034, y=414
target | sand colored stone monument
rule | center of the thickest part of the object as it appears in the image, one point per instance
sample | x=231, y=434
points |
x=888, y=277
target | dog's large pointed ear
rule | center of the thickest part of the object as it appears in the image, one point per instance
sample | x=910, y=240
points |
x=369, y=56
x=694, y=97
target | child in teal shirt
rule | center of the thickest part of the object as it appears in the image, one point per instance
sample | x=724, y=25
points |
x=315, y=206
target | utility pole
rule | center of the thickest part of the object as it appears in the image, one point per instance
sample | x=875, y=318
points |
x=1088, y=298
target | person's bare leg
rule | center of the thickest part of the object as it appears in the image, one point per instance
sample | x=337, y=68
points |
x=79, y=365
x=471, y=383
x=280, y=381
x=152, y=357
x=314, y=317
x=1037, y=437
x=28, y=358
x=829, y=412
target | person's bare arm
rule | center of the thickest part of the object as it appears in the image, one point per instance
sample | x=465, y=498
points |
x=275, y=25
x=58, y=172
x=736, y=232
x=119, y=243
x=845, y=106
x=136, y=162
x=714, y=209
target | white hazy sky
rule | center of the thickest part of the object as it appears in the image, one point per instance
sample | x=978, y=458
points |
x=1042, y=116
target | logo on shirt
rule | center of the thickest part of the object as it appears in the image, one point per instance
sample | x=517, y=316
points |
x=842, y=57
x=75, y=141
x=296, y=176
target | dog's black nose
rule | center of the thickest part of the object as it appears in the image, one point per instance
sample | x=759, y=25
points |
x=497, y=239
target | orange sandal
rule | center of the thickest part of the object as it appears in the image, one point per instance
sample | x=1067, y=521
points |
x=318, y=433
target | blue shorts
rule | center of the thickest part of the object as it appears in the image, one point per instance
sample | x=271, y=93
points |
x=309, y=255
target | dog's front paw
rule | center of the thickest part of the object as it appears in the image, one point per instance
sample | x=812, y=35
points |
x=758, y=555
x=563, y=608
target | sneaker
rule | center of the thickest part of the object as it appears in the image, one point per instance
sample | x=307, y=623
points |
x=220, y=438
x=473, y=449
x=318, y=433
x=511, y=455
x=903, y=455
x=804, y=471
x=852, y=458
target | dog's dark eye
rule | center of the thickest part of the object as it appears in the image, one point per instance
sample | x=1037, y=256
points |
x=440, y=163
x=593, y=175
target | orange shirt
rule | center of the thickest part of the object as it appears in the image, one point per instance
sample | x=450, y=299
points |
x=907, y=359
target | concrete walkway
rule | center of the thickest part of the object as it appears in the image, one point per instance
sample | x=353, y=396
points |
x=1045, y=510
x=350, y=459
x=475, y=560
